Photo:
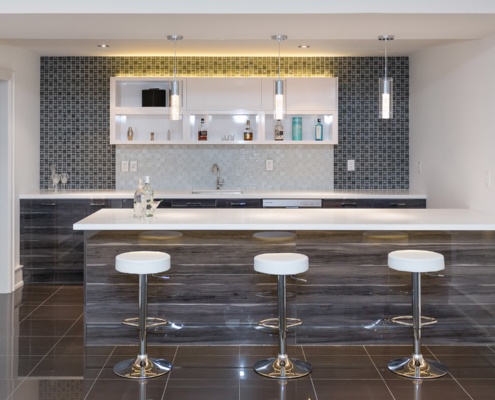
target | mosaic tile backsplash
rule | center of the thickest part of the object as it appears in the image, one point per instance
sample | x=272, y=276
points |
x=74, y=127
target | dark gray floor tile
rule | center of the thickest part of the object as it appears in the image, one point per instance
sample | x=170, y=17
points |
x=27, y=345
x=470, y=367
x=128, y=389
x=33, y=327
x=461, y=350
x=196, y=393
x=69, y=366
x=208, y=351
x=407, y=389
x=14, y=367
x=342, y=367
x=479, y=389
x=352, y=389
x=334, y=351
x=55, y=312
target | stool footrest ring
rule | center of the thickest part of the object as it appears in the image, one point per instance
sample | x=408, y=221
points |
x=407, y=320
x=151, y=322
x=274, y=322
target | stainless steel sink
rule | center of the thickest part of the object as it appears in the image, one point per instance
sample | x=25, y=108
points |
x=219, y=191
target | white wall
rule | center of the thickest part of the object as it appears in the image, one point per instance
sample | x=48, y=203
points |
x=452, y=128
x=25, y=135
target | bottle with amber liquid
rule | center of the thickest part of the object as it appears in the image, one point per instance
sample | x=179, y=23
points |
x=248, y=132
x=203, y=131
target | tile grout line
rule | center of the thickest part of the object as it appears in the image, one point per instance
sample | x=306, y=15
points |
x=310, y=375
x=41, y=304
x=99, y=373
x=379, y=373
x=170, y=372
x=453, y=377
x=43, y=358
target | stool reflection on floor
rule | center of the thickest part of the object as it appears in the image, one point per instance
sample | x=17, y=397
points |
x=143, y=263
x=416, y=262
x=282, y=264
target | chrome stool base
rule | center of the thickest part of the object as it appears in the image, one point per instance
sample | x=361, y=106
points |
x=411, y=367
x=282, y=368
x=142, y=368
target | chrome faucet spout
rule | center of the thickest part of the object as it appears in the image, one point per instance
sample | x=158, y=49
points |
x=215, y=168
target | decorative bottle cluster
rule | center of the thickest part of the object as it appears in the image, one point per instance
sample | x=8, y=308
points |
x=139, y=204
x=148, y=197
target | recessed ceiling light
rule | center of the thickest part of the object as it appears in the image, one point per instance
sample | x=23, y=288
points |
x=103, y=45
x=304, y=46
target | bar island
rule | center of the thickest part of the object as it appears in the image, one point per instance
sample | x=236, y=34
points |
x=213, y=295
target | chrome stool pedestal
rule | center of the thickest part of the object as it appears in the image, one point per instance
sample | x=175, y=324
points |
x=282, y=264
x=143, y=263
x=416, y=261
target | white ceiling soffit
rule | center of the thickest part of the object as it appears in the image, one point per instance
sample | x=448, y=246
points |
x=228, y=28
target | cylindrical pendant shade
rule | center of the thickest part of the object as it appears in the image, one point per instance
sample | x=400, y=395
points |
x=279, y=100
x=174, y=101
x=386, y=97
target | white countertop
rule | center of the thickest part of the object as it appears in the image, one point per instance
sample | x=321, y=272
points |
x=291, y=219
x=248, y=194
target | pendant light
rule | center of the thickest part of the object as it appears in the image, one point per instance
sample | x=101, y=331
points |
x=279, y=109
x=386, y=86
x=174, y=88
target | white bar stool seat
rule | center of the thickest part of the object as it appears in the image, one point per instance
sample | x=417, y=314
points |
x=282, y=264
x=416, y=262
x=142, y=263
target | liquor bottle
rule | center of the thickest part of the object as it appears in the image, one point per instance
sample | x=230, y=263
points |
x=139, y=201
x=248, y=132
x=319, y=130
x=203, y=131
x=279, y=130
x=148, y=197
x=130, y=133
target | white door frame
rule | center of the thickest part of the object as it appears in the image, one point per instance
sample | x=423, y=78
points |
x=8, y=211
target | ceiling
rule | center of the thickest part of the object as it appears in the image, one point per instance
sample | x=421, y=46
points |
x=238, y=33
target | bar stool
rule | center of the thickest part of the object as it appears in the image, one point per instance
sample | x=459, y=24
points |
x=416, y=262
x=274, y=237
x=142, y=263
x=282, y=264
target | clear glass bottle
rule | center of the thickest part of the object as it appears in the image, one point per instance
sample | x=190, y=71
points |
x=248, y=132
x=139, y=201
x=279, y=130
x=203, y=130
x=148, y=197
x=319, y=130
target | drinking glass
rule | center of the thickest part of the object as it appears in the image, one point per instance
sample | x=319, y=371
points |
x=64, y=177
x=55, y=181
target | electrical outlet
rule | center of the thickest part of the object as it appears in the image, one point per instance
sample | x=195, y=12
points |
x=269, y=165
x=124, y=166
x=351, y=165
x=133, y=166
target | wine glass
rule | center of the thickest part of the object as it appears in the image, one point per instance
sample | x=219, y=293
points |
x=64, y=177
x=55, y=181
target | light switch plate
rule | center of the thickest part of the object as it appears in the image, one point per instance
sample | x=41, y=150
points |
x=133, y=166
x=124, y=166
x=351, y=165
x=269, y=165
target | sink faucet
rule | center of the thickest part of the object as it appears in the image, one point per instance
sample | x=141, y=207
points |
x=214, y=168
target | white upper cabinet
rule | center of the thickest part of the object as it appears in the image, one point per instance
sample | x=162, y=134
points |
x=311, y=94
x=223, y=94
x=225, y=104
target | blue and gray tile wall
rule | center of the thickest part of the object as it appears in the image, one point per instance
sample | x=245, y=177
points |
x=74, y=127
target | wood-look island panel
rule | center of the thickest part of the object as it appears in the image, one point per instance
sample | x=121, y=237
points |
x=216, y=297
